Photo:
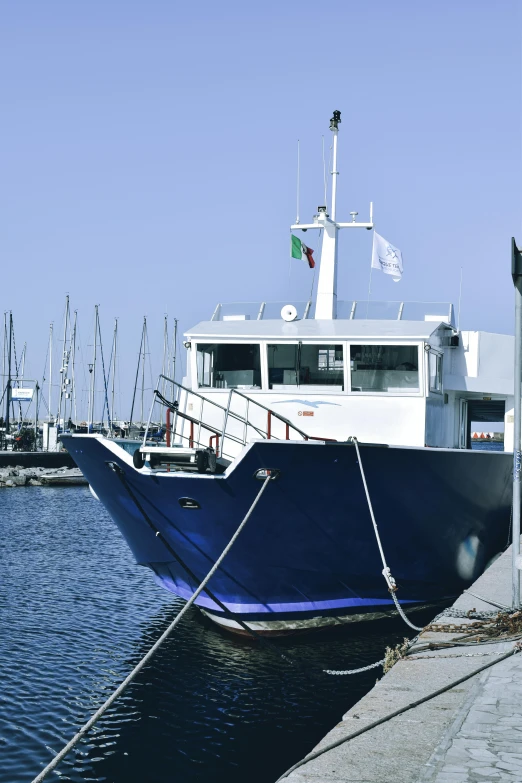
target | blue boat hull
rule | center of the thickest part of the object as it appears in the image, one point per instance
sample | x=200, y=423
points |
x=308, y=554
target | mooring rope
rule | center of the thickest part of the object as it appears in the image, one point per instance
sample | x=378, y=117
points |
x=146, y=658
x=390, y=581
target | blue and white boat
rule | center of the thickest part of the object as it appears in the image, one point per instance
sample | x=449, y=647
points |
x=283, y=388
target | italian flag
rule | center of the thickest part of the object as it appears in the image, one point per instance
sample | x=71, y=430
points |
x=300, y=250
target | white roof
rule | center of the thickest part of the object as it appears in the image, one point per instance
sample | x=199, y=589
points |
x=310, y=328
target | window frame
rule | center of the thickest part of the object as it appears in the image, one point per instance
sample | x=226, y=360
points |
x=194, y=364
x=391, y=344
x=439, y=358
x=303, y=387
x=346, y=346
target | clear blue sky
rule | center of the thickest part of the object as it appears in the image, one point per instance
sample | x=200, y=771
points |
x=147, y=160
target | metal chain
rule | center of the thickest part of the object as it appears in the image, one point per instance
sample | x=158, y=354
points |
x=355, y=671
x=453, y=655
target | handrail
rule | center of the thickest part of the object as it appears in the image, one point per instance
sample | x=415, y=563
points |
x=218, y=432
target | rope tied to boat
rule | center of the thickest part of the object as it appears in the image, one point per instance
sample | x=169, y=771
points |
x=386, y=572
x=139, y=666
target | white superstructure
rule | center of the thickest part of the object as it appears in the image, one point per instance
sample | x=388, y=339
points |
x=387, y=372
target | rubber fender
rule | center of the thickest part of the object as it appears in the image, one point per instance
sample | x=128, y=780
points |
x=202, y=461
x=138, y=460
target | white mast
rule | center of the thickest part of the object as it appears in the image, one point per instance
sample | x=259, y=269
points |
x=73, y=360
x=114, y=347
x=50, y=370
x=92, y=370
x=326, y=304
x=64, y=367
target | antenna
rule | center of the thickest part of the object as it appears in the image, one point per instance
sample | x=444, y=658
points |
x=460, y=298
x=298, y=181
x=334, y=127
x=324, y=178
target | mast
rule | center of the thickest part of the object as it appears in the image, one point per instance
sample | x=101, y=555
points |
x=137, y=374
x=8, y=387
x=73, y=360
x=92, y=370
x=326, y=304
x=4, y=355
x=50, y=370
x=114, y=348
x=65, y=362
x=143, y=367
x=174, y=349
x=165, y=353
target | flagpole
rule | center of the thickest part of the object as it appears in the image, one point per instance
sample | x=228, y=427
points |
x=369, y=291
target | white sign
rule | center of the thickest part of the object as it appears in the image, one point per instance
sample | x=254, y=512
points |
x=22, y=395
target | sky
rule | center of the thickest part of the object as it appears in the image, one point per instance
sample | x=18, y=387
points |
x=148, y=159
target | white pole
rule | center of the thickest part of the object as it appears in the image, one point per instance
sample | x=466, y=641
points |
x=50, y=369
x=73, y=360
x=335, y=174
x=93, y=374
x=114, y=348
x=517, y=423
x=298, y=181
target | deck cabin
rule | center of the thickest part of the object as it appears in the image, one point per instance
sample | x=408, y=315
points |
x=391, y=372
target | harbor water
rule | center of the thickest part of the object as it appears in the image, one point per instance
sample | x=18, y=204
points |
x=77, y=613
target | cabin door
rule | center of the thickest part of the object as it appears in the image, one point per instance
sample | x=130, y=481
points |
x=464, y=426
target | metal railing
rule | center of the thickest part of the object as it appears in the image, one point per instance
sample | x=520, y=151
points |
x=224, y=428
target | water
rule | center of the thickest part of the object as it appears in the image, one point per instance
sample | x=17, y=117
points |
x=76, y=614
x=486, y=445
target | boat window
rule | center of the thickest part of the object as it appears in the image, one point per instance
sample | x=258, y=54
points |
x=303, y=365
x=229, y=366
x=384, y=368
x=435, y=368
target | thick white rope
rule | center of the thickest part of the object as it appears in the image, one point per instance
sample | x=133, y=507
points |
x=390, y=581
x=146, y=658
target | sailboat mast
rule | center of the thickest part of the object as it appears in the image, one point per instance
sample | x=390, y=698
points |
x=164, y=366
x=8, y=387
x=73, y=361
x=63, y=368
x=50, y=371
x=4, y=355
x=92, y=370
x=174, y=349
x=143, y=367
x=114, y=349
x=137, y=375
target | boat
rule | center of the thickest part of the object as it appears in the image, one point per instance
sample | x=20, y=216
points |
x=308, y=401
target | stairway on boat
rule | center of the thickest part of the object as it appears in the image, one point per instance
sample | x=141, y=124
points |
x=200, y=435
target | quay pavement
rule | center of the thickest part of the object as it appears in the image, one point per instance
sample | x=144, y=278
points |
x=469, y=734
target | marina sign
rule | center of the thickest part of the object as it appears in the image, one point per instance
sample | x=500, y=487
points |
x=22, y=395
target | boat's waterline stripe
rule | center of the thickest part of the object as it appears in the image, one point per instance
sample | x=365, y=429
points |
x=302, y=606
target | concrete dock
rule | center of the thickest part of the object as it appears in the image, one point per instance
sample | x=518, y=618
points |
x=471, y=733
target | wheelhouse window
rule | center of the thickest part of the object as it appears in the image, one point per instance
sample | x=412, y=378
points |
x=384, y=368
x=229, y=366
x=435, y=371
x=310, y=366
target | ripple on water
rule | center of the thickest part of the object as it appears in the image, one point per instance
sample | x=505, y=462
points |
x=77, y=613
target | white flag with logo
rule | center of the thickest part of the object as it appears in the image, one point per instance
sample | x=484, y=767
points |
x=386, y=257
